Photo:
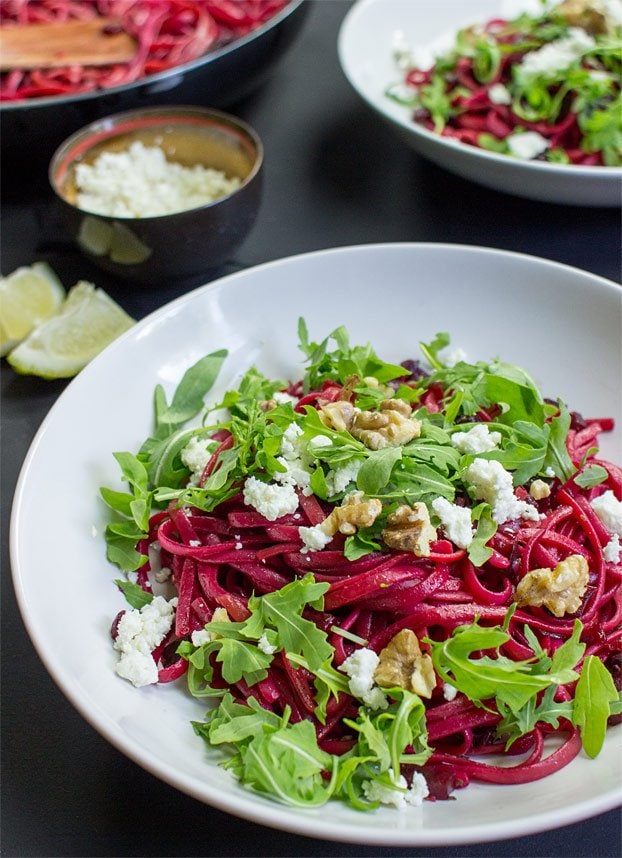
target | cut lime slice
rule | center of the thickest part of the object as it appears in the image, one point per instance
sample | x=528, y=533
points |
x=28, y=296
x=87, y=322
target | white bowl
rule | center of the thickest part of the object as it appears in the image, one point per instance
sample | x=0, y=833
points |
x=562, y=324
x=366, y=44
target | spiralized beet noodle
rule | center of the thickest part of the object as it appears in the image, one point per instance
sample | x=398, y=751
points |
x=221, y=558
x=168, y=33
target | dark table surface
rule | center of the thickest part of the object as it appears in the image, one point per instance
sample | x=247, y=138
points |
x=334, y=175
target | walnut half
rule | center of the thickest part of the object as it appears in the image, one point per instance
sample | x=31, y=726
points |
x=402, y=664
x=409, y=529
x=561, y=590
x=355, y=511
x=391, y=426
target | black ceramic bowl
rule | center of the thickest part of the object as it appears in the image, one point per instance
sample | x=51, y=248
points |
x=174, y=246
x=33, y=128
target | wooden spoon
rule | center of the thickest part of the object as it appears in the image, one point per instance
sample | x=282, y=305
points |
x=97, y=42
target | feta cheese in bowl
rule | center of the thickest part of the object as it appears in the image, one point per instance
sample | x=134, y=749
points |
x=161, y=192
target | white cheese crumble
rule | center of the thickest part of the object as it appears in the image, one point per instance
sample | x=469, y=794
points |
x=456, y=521
x=270, y=499
x=479, y=439
x=558, y=55
x=320, y=441
x=400, y=797
x=140, y=182
x=449, y=691
x=139, y=632
x=527, y=145
x=293, y=459
x=613, y=549
x=282, y=398
x=360, y=667
x=339, y=479
x=450, y=356
x=195, y=456
x=199, y=637
x=499, y=94
x=313, y=538
x=493, y=484
x=265, y=646
x=609, y=510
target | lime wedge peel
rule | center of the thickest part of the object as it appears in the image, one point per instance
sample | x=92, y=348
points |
x=86, y=323
x=28, y=296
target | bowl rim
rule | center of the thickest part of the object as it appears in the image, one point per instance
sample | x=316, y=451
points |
x=111, y=126
x=157, y=77
x=450, y=143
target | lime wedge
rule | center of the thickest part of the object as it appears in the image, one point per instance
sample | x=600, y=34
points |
x=28, y=296
x=87, y=322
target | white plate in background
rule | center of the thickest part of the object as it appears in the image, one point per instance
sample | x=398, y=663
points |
x=367, y=39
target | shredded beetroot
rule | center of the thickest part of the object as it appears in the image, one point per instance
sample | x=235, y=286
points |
x=168, y=33
x=219, y=559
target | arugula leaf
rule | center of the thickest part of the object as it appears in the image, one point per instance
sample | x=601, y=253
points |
x=511, y=683
x=328, y=681
x=594, y=694
x=478, y=550
x=188, y=398
x=233, y=722
x=121, y=540
x=386, y=735
x=591, y=476
x=360, y=544
x=282, y=611
x=375, y=472
x=557, y=457
x=516, y=724
x=135, y=596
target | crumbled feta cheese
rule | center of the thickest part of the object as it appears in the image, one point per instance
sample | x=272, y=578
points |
x=320, y=441
x=456, y=521
x=527, y=145
x=493, y=484
x=479, y=439
x=313, y=538
x=282, y=398
x=449, y=356
x=139, y=632
x=140, y=182
x=295, y=474
x=195, y=456
x=612, y=10
x=264, y=645
x=270, y=499
x=449, y=691
x=613, y=549
x=290, y=442
x=360, y=667
x=199, y=637
x=609, y=510
x=558, y=55
x=400, y=797
x=499, y=94
x=292, y=458
x=238, y=546
x=339, y=479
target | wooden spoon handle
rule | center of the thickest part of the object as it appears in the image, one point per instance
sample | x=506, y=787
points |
x=97, y=42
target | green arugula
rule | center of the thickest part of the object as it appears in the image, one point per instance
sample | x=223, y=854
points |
x=594, y=694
